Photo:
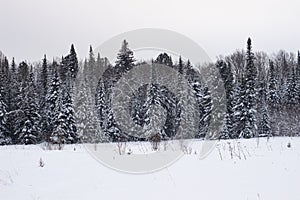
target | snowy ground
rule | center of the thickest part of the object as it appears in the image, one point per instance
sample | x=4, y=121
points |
x=264, y=171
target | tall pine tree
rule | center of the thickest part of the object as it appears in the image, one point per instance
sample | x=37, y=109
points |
x=250, y=94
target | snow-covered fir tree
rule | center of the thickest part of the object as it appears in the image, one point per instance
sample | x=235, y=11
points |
x=30, y=131
x=250, y=94
x=42, y=92
x=67, y=114
x=105, y=113
x=298, y=77
x=264, y=129
x=227, y=76
x=73, y=62
x=125, y=59
x=53, y=100
x=291, y=92
x=4, y=137
x=272, y=94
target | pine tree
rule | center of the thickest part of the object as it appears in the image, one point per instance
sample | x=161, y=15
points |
x=298, y=63
x=125, y=59
x=61, y=129
x=298, y=77
x=73, y=62
x=29, y=132
x=4, y=84
x=4, y=137
x=99, y=67
x=105, y=113
x=204, y=102
x=227, y=76
x=98, y=61
x=272, y=94
x=181, y=96
x=13, y=65
x=291, y=92
x=69, y=67
x=81, y=110
x=90, y=71
x=43, y=89
x=20, y=101
x=11, y=101
x=5, y=78
x=44, y=81
x=87, y=121
x=23, y=73
x=265, y=128
x=180, y=65
x=164, y=59
x=250, y=94
x=92, y=61
x=52, y=106
x=238, y=106
x=206, y=109
x=68, y=112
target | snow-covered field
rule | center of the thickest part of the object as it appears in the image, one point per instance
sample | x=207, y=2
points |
x=236, y=169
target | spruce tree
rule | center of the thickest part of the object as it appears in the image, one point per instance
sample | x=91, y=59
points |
x=265, y=128
x=4, y=134
x=272, y=94
x=105, y=113
x=298, y=78
x=43, y=89
x=90, y=75
x=30, y=131
x=92, y=61
x=81, y=110
x=62, y=128
x=250, y=94
x=5, y=80
x=12, y=103
x=87, y=122
x=98, y=61
x=180, y=65
x=73, y=62
x=67, y=113
x=125, y=59
x=99, y=67
x=238, y=109
x=44, y=81
x=20, y=100
x=164, y=59
x=291, y=92
x=52, y=98
x=298, y=63
x=227, y=76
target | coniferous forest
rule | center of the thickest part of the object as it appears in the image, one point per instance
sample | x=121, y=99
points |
x=68, y=100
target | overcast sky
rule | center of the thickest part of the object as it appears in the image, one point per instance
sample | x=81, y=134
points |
x=30, y=28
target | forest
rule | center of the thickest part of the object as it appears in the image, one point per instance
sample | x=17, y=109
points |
x=69, y=100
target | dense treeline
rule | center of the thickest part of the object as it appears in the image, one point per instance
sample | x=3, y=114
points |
x=165, y=122
x=66, y=101
x=263, y=94
x=36, y=101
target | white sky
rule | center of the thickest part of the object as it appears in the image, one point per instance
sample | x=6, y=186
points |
x=30, y=28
